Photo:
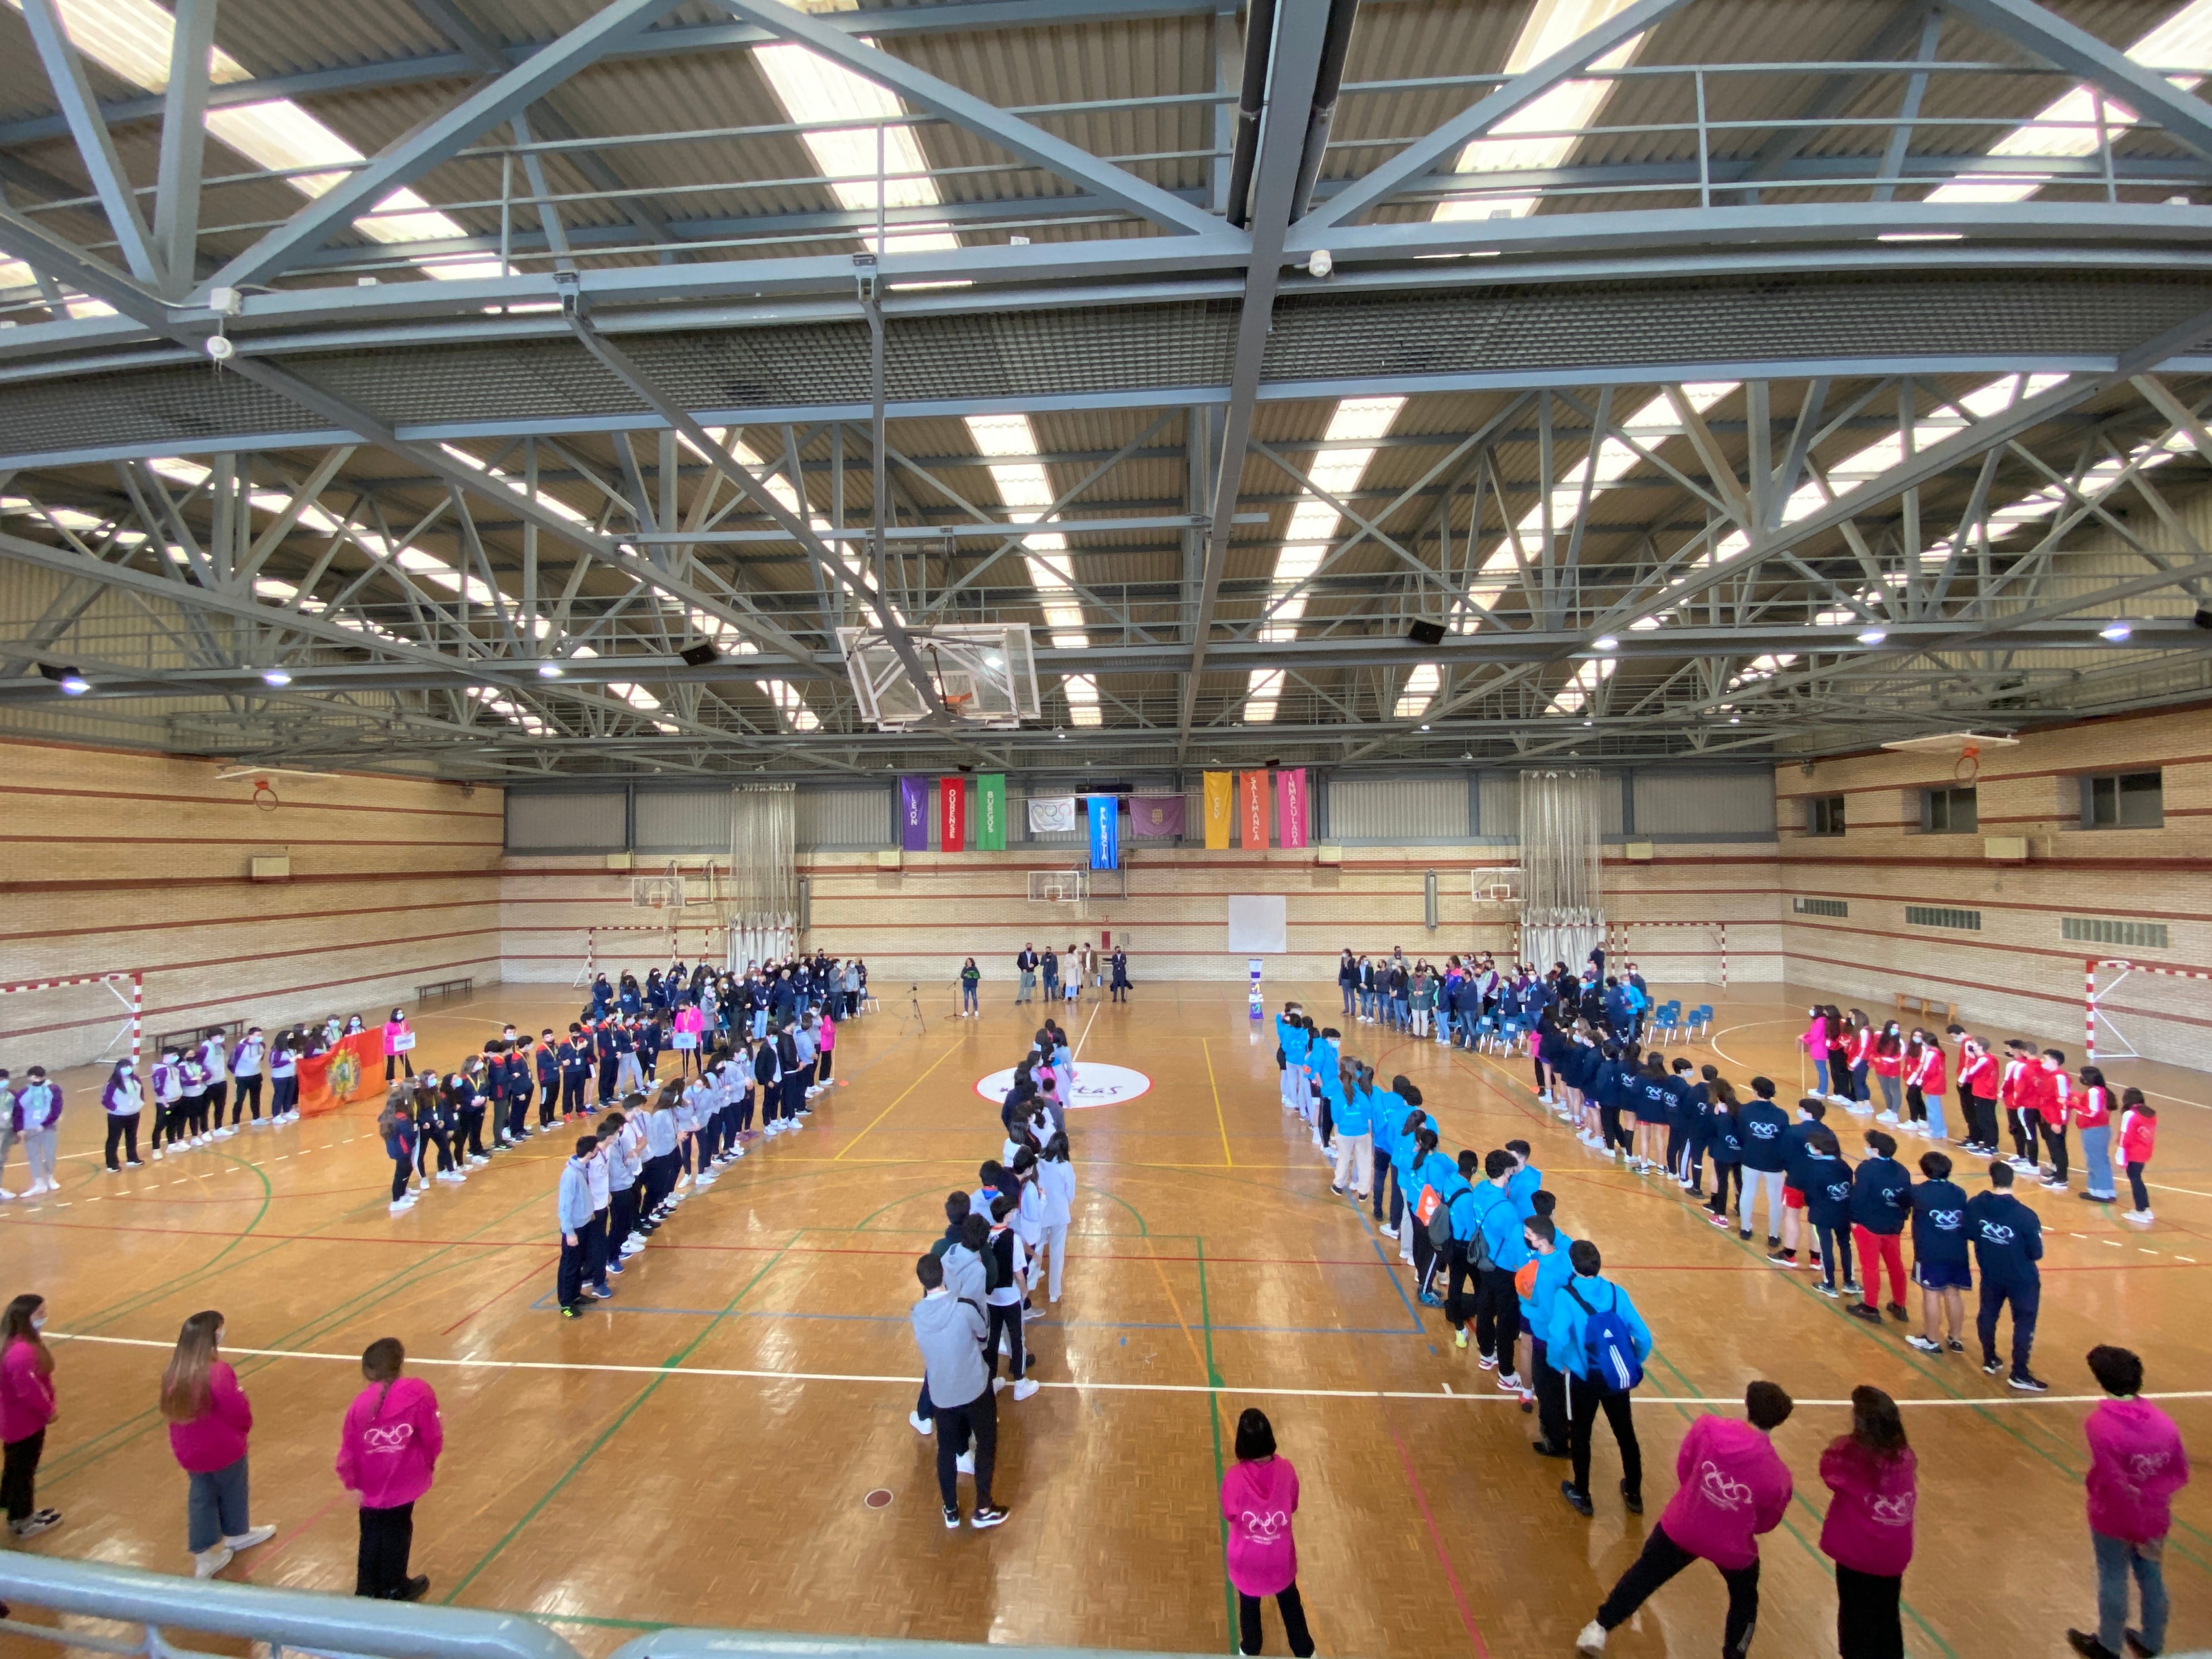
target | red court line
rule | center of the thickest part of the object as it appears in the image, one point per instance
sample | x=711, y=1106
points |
x=1437, y=1538
x=282, y=1541
x=528, y=1273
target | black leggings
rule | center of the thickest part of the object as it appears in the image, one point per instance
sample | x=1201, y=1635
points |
x=19, y=1468
x=1662, y=1560
x=249, y=1097
x=1294, y=1621
x=2140, y=1192
x=123, y=1128
x=1007, y=1318
x=386, y=1536
x=1584, y=1400
x=391, y=1060
x=401, y=1168
x=1723, y=1174
x=2054, y=1137
x=1867, y=1623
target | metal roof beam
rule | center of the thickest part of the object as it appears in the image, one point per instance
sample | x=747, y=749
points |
x=95, y=147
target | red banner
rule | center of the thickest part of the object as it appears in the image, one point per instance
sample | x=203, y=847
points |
x=951, y=815
x=352, y=1070
x=1252, y=807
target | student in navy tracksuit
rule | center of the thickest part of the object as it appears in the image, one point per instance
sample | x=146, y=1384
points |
x=575, y=1071
x=547, y=1064
x=2008, y=1239
x=1882, y=1200
x=1724, y=1141
x=603, y=1050
x=399, y=1146
x=1939, y=1255
x=1825, y=1180
x=1762, y=1125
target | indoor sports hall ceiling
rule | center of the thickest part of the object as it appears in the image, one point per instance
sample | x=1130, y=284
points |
x=409, y=385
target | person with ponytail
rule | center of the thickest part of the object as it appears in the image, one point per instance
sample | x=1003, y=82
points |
x=1869, y=1531
x=388, y=1451
x=26, y=1407
x=209, y=1419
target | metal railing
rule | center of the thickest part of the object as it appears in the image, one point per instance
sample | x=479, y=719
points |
x=345, y=1626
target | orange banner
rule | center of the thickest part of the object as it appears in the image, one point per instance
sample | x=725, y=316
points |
x=1252, y=807
x=353, y=1070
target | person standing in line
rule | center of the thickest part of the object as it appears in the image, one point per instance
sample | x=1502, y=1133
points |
x=597, y=1265
x=572, y=1211
x=7, y=1135
x=1882, y=1200
x=38, y=1119
x=1048, y=967
x=825, y=1046
x=1869, y=1530
x=2052, y=1093
x=1026, y=972
x=395, y=1123
x=122, y=1100
x=1498, y=1256
x=215, y=1054
x=2136, y=1464
x=1825, y=1180
x=1732, y=1486
x=26, y=1407
x=1939, y=1255
x=2007, y=1238
x=1348, y=982
x=1762, y=1127
x=2138, y=1140
x=2093, y=1112
x=1056, y=1186
x=1120, y=974
x=283, y=1079
x=246, y=1061
x=1353, y=1108
x=1009, y=1288
x=388, y=1448
x=1259, y=1497
x=398, y=1046
x=1978, y=1090
x=1072, y=976
x=951, y=1333
x=209, y=1419
x=1598, y=1343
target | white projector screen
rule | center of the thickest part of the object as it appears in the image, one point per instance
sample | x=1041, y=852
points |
x=1258, y=924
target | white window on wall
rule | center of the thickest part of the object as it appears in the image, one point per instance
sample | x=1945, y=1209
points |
x=1949, y=812
x=2123, y=800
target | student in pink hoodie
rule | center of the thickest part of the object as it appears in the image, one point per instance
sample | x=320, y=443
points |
x=26, y=1407
x=387, y=1452
x=1733, y=1487
x=209, y=1419
x=1869, y=1532
x=2136, y=1464
x=1258, y=1498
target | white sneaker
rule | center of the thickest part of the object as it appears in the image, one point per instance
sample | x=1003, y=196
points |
x=632, y=1245
x=1592, y=1640
x=965, y=1463
x=2141, y=1216
x=1025, y=1388
x=208, y=1563
x=262, y=1123
x=406, y=1203
x=1884, y=1117
x=246, y=1540
x=920, y=1423
x=224, y=1134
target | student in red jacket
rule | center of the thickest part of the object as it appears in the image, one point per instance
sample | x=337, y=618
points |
x=1733, y=1487
x=1869, y=1531
x=1978, y=1096
x=2138, y=1140
x=388, y=1451
x=209, y=1419
x=2136, y=1464
x=2054, y=1103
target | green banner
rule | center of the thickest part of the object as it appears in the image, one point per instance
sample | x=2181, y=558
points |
x=991, y=813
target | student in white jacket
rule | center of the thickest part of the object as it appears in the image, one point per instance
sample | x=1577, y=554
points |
x=1055, y=1186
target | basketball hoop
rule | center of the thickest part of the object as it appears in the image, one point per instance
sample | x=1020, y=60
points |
x=1065, y=889
x=1966, y=747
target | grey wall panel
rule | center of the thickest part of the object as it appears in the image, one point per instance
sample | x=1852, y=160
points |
x=844, y=817
x=1733, y=803
x=565, y=823
x=1498, y=816
x=1394, y=810
x=684, y=821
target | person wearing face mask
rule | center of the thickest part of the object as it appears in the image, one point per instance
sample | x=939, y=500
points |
x=398, y=1044
x=573, y=1212
x=26, y=1407
x=209, y=1419
x=7, y=1130
x=284, y=1079
x=465, y=1090
x=38, y=1115
x=246, y=1071
x=122, y=1100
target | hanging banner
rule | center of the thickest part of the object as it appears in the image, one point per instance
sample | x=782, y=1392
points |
x=991, y=813
x=1105, y=831
x=952, y=814
x=1156, y=818
x=1052, y=815
x=348, y=1070
x=914, y=814
x=1217, y=810
x=1291, y=807
x=1252, y=808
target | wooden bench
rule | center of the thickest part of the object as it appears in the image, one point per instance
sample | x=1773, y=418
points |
x=446, y=987
x=1927, y=1007
x=234, y=1031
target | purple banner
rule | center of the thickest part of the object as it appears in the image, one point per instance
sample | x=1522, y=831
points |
x=914, y=814
x=1156, y=818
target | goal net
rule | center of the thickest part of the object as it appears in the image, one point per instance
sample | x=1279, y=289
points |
x=76, y=1021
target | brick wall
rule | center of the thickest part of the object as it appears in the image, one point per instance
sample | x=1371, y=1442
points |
x=117, y=861
x=917, y=923
x=2017, y=970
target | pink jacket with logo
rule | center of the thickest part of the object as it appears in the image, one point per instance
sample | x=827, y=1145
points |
x=26, y=1400
x=1258, y=1500
x=1733, y=1488
x=2136, y=1463
x=1870, y=1525
x=216, y=1437
x=388, y=1448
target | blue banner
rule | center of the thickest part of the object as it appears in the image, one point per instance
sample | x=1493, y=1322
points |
x=1105, y=831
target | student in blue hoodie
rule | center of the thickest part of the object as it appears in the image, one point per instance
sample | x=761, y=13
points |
x=1761, y=1125
x=1651, y=1098
x=1387, y=1113
x=2008, y=1239
x=1502, y=1250
x=1433, y=1179
x=1825, y=1180
x=1939, y=1255
x=1548, y=1245
x=1526, y=1180
x=1406, y=1155
x=1353, y=1106
x=1462, y=1215
x=1725, y=1142
x=1794, y=1139
x=1698, y=1130
x=1580, y=1300
x=1881, y=1200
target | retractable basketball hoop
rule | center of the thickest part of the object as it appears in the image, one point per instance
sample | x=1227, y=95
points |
x=2093, y=996
x=1066, y=891
x=128, y=990
x=1495, y=891
x=1965, y=749
x=984, y=673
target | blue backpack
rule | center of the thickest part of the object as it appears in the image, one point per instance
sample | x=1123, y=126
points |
x=1611, y=1346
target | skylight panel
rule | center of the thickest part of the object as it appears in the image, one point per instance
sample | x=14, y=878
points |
x=811, y=89
x=1022, y=485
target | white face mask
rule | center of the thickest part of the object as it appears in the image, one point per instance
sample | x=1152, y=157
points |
x=126, y=1068
x=220, y=1332
x=39, y=1319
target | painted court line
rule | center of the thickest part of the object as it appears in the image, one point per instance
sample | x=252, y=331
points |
x=866, y=1377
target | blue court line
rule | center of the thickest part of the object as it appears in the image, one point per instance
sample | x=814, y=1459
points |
x=545, y=1304
x=1391, y=1268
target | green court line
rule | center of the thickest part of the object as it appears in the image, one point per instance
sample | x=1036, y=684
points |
x=668, y=1366
x=1213, y=1421
x=133, y=1302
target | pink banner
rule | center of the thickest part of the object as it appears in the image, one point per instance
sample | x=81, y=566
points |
x=1291, y=807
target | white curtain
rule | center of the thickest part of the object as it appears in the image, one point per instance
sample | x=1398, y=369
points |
x=1562, y=902
x=762, y=914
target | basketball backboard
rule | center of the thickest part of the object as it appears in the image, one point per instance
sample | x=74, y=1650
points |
x=984, y=672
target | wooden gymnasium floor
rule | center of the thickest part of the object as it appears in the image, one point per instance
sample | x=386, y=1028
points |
x=700, y=1450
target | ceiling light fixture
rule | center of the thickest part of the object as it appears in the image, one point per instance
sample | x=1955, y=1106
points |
x=276, y=676
x=1872, y=636
x=73, y=683
x=550, y=670
x=1605, y=642
x=2115, y=631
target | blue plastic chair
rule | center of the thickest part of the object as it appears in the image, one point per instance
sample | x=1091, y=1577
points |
x=1701, y=1020
x=1666, y=1022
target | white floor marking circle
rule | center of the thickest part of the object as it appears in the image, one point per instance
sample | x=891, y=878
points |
x=1096, y=1085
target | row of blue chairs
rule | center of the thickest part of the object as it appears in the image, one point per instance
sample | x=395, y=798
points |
x=1666, y=1023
